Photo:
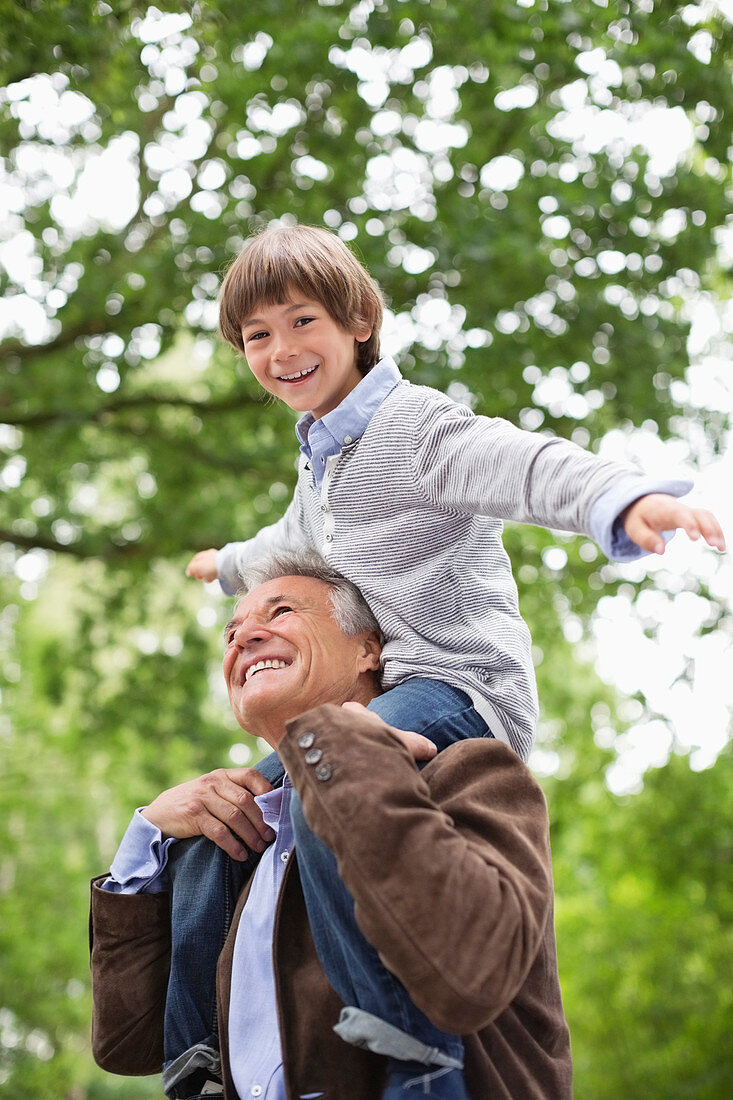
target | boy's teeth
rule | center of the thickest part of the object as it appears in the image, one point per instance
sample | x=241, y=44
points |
x=263, y=664
x=298, y=374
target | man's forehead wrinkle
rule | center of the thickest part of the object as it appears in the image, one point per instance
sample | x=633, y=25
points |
x=266, y=602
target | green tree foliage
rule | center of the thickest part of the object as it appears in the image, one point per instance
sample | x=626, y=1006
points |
x=646, y=933
x=538, y=259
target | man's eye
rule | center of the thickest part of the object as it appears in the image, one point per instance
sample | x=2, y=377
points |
x=282, y=610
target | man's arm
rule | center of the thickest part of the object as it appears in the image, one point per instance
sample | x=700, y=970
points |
x=449, y=867
x=130, y=932
x=129, y=937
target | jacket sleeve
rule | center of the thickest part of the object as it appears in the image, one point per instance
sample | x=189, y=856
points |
x=288, y=533
x=130, y=959
x=449, y=867
x=487, y=466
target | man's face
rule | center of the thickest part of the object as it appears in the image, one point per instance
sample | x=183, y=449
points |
x=285, y=654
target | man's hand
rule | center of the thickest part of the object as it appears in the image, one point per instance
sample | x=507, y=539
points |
x=217, y=805
x=420, y=747
x=202, y=566
x=647, y=517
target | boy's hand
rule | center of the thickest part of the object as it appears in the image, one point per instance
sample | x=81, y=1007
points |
x=202, y=566
x=420, y=747
x=656, y=512
x=219, y=805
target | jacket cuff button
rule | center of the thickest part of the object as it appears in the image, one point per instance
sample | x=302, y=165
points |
x=306, y=740
x=313, y=756
x=324, y=772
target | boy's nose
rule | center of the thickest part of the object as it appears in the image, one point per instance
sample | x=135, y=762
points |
x=284, y=348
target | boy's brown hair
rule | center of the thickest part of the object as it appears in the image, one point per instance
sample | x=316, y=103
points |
x=312, y=261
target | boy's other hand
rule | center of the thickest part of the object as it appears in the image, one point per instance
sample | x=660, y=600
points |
x=418, y=746
x=647, y=517
x=202, y=566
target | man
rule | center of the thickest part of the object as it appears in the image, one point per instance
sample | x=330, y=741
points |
x=448, y=868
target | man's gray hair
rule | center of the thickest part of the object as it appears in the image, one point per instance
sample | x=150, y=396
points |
x=351, y=612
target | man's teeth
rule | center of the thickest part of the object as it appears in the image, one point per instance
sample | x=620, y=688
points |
x=298, y=374
x=264, y=664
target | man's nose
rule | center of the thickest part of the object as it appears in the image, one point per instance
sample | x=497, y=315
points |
x=250, y=633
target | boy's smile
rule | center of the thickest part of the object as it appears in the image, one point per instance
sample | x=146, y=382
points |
x=297, y=352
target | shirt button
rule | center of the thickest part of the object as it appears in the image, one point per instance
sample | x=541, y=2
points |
x=323, y=462
x=348, y=439
x=324, y=772
x=313, y=756
x=306, y=740
x=329, y=538
x=324, y=507
x=256, y=1090
x=284, y=857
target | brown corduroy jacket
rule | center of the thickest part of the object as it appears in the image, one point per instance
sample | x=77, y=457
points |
x=450, y=872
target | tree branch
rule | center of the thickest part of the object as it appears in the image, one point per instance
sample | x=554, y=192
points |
x=188, y=447
x=82, y=551
x=16, y=349
x=142, y=401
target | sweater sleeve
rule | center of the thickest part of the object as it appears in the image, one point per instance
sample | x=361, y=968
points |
x=487, y=466
x=288, y=533
x=449, y=868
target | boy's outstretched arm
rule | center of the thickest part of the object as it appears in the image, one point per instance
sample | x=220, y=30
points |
x=202, y=566
x=647, y=517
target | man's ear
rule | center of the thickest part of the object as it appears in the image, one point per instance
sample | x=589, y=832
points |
x=371, y=652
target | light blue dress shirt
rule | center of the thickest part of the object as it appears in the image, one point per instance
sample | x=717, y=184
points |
x=255, y=1056
x=339, y=429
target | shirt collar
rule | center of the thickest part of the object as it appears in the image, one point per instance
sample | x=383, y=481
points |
x=275, y=803
x=351, y=418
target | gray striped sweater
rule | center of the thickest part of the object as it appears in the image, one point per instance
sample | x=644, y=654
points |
x=412, y=513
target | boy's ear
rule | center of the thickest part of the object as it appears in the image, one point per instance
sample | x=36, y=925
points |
x=363, y=336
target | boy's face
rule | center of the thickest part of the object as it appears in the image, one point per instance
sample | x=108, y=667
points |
x=297, y=352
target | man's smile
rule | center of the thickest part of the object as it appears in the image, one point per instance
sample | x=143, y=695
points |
x=260, y=666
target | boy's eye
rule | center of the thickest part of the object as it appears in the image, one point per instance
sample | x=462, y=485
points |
x=257, y=335
x=304, y=321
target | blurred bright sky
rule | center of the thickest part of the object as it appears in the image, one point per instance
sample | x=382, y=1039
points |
x=98, y=187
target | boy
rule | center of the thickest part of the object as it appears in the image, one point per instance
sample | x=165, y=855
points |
x=404, y=492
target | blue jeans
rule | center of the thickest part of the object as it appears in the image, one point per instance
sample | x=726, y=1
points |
x=205, y=883
x=204, y=886
x=380, y=1014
